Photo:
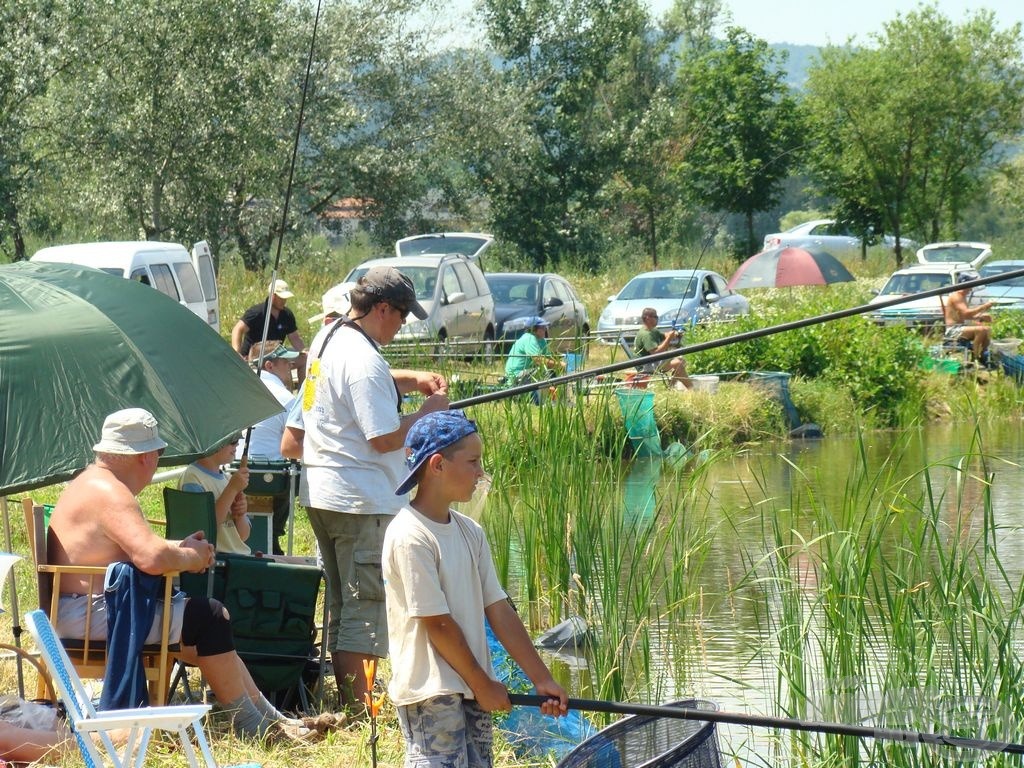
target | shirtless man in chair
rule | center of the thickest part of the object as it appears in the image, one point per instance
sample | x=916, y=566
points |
x=966, y=322
x=98, y=521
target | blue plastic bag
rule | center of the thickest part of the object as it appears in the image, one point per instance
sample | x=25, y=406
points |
x=530, y=733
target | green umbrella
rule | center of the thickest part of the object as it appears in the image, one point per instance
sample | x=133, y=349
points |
x=77, y=344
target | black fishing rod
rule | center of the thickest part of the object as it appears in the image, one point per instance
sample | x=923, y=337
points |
x=785, y=723
x=284, y=213
x=727, y=340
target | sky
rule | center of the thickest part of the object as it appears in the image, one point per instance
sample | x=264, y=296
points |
x=833, y=21
x=811, y=22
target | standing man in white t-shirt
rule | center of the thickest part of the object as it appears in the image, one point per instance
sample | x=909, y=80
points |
x=353, y=459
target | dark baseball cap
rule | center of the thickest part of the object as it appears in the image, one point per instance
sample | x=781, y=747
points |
x=390, y=285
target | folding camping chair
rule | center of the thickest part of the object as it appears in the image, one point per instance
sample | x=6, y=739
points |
x=273, y=618
x=186, y=512
x=272, y=605
x=84, y=720
x=646, y=372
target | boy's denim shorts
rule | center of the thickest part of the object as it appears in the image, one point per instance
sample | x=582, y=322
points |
x=446, y=732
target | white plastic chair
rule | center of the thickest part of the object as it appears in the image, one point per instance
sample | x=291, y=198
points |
x=84, y=720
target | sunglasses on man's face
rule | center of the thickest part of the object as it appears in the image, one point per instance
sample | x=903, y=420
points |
x=400, y=310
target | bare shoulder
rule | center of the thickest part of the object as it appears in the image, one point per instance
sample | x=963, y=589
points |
x=96, y=485
x=95, y=497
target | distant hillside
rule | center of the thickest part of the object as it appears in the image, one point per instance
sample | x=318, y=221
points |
x=798, y=60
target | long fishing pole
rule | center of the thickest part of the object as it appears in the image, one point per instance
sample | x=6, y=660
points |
x=284, y=214
x=727, y=340
x=785, y=723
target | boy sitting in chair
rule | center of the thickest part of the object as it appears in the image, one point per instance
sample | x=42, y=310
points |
x=233, y=526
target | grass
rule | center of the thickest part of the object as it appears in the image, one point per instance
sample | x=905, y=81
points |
x=892, y=604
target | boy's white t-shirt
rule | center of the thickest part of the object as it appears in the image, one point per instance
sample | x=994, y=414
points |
x=354, y=400
x=197, y=479
x=431, y=569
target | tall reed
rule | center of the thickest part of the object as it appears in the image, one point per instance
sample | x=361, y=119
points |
x=570, y=540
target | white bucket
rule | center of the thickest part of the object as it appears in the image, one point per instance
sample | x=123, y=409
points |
x=1005, y=346
x=705, y=382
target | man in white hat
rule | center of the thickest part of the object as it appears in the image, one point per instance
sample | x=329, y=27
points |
x=98, y=521
x=335, y=303
x=283, y=327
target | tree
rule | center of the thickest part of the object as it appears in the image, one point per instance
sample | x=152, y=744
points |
x=558, y=56
x=746, y=125
x=644, y=193
x=392, y=119
x=179, y=108
x=905, y=130
x=38, y=41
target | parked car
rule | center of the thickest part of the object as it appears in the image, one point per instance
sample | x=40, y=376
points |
x=188, y=278
x=939, y=265
x=1007, y=294
x=519, y=295
x=681, y=297
x=472, y=245
x=452, y=290
x=955, y=252
x=827, y=235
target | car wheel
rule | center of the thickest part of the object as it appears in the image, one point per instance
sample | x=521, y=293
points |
x=488, y=346
x=441, y=348
x=585, y=342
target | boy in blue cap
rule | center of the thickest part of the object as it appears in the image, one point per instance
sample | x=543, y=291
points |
x=440, y=585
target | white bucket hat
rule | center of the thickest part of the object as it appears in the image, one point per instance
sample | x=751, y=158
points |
x=281, y=290
x=132, y=430
x=335, y=302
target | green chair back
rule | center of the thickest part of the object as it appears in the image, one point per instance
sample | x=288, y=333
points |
x=187, y=512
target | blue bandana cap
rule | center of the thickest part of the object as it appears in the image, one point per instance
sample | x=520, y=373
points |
x=432, y=434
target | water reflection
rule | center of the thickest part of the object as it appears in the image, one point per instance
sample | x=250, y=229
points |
x=954, y=466
x=766, y=531
x=639, y=491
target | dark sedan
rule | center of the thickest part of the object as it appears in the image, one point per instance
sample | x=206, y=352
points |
x=519, y=295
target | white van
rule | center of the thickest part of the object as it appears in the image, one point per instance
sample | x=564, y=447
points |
x=188, y=279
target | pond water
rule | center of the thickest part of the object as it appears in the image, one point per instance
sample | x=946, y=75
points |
x=727, y=663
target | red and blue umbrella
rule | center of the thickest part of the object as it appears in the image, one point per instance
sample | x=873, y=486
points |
x=781, y=267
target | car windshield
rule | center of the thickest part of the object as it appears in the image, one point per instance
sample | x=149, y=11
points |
x=660, y=287
x=915, y=283
x=952, y=254
x=461, y=244
x=998, y=269
x=518, y=291
x=424, y=279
